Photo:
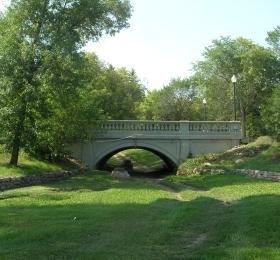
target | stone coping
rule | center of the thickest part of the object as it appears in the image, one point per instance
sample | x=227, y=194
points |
x=36, y=179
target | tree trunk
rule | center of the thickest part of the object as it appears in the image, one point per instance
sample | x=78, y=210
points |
x=15, y=149
x=17, y=137
x=243, y=120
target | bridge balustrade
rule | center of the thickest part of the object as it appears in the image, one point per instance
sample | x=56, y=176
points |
x=130, y=125
x=217, y=128
x=178, y=128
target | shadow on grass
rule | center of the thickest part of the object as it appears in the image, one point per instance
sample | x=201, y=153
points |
x=208, y=181
x=102, y=180
x=33, y=166
x=98, y=181
x=203, y=228
x=24, y=169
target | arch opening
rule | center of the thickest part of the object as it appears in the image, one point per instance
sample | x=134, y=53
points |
x=143, y=161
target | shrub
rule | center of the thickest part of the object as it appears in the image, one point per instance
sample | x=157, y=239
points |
x=262, y=142
x=191, y=165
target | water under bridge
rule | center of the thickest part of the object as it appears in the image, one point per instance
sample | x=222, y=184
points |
x=172, y=141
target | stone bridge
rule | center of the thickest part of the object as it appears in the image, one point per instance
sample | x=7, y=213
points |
x=173, y=141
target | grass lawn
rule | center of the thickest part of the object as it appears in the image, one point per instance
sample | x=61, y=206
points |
x=267, y=160
x=266, y=157
x=28, y=165
x=140, y=157
x=93, y=216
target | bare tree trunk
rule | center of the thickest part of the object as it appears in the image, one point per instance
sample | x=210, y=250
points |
x=15, y=149
x=243, y=120
x=17, y=137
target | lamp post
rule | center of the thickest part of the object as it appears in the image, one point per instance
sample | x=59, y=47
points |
x=204, y=106
x=233, y=80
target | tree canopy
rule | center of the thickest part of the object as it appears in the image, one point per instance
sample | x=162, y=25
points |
x=176, y=101
x=42, y=62
x=257, y=71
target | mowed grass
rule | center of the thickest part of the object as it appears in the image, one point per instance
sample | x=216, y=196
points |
x=28, y=165
x=94, y=216
x=140, y=157
x=267, y=160
x=262, y=154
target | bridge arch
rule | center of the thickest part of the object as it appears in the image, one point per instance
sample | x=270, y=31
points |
x=168, y=159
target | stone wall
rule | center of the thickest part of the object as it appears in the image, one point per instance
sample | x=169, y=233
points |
x=273, y=176
x=36, y=179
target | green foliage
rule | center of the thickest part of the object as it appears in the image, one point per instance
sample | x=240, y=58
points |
x=262, y=142
x=123, y=93
x=271, y=114
x=273, y=39
x=29, y=165
x=190, y=165
x=176, y=101
x=257, y=70
x=140, y=158
x=150, y=107
x=42, y=69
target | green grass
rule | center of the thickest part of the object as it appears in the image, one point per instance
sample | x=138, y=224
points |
x=266, y=159
x=140, y=157
x=28, y=165
x=94, y=216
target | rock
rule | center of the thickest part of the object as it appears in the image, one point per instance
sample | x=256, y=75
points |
x=35, y=179
x=239, y=161
x=252, y=153
x=127, y=165
x=207, y=164
x=120, y=173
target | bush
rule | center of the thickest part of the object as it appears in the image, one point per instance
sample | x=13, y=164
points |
x=191, y=165
x=262, y=142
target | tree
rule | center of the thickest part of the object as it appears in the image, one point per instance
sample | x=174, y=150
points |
x=123, y=93
x=273, y=39
x=149, y=108
x=176, y=101
x=271, y=114
x=257, y=70
x=102, y=95
x=41, y=58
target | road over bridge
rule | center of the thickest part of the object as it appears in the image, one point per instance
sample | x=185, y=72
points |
x=173, y=141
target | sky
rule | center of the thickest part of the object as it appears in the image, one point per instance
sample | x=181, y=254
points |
x=166, y=37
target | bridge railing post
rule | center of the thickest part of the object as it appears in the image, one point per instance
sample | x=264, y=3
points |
x=235, y=128
x=184, y=128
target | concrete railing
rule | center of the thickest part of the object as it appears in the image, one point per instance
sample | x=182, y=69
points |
x=146, y=126
x=178, y=128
